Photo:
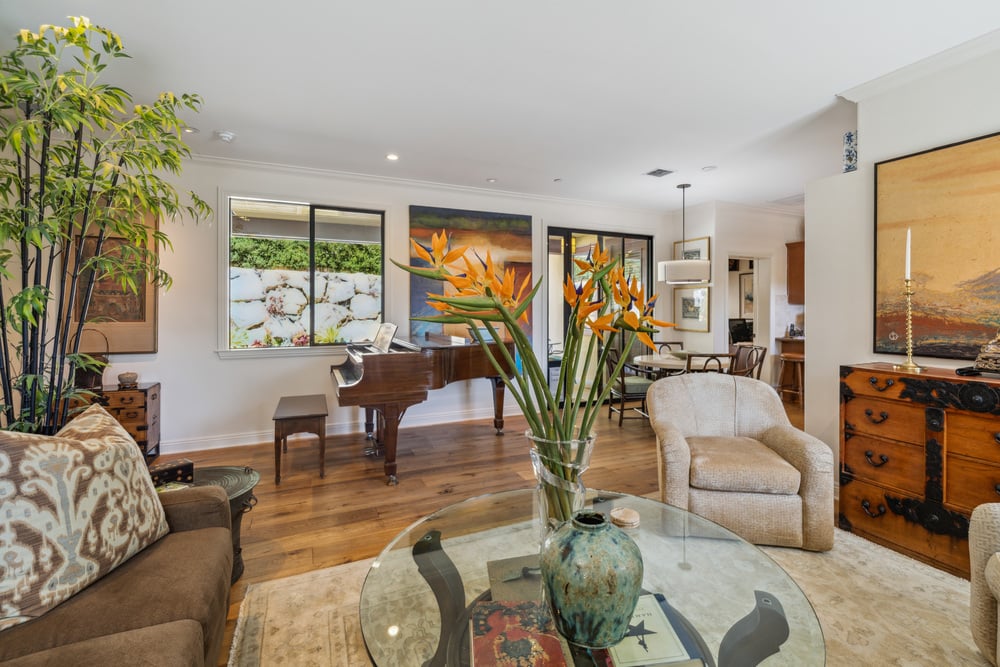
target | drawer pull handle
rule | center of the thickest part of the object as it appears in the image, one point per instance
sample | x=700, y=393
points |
x=873, y=381
x=996, y=487
x=128, y=400
x=884, y=415
x=996, y=438
x=883, y=458
x=865, y=505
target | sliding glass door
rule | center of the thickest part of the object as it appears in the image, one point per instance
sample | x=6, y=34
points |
x=635, y=254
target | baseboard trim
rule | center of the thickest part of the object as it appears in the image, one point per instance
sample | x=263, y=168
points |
x=225, y=441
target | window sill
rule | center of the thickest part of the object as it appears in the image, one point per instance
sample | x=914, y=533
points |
x=339, y=351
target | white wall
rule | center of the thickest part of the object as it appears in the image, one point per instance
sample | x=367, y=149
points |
x=943, y=107
x=211, y=402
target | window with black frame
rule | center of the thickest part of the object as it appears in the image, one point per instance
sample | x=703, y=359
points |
x=303, y=275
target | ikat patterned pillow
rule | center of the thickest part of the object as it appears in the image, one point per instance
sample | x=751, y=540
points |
x=73, y=507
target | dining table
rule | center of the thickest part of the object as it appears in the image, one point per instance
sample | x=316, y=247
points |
x=684, y=361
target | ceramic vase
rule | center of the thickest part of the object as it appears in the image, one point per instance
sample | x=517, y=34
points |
x=558, y=467
x=592, y=577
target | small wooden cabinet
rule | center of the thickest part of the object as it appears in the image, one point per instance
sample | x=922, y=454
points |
x=795, y=272
x=918, y=452
x=138, y=410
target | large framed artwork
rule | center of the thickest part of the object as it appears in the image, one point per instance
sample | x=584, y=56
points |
x=691, y=309
x=119, y=321
x=949, y=200
x=506, y=236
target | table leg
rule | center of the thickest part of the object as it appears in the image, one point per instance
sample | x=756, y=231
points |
x=443, y=577
x=321, y=432
x=278, y=442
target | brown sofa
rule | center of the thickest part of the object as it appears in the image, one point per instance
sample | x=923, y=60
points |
x=166, y=605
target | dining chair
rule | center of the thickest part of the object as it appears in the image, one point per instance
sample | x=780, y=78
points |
x=668, y=345
x=708, y=362
x=749, y=360
x=628, y=385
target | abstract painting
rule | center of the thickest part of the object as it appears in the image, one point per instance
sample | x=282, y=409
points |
x=949, y=199
x=506, y=236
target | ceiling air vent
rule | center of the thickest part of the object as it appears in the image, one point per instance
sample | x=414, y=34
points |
x=659, y=173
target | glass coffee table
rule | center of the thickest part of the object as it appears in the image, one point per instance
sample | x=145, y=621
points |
x=416, y=597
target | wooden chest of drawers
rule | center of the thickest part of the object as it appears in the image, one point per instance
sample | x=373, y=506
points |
x=918, y=452
x=138, y=410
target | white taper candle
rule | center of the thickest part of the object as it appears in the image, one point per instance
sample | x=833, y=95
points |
x=907, y=272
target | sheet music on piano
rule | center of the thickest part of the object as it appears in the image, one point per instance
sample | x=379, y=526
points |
x=383, y=339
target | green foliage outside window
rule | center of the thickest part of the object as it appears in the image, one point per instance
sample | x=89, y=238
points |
x=293, y=255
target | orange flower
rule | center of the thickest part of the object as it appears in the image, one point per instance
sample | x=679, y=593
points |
x=438, y=255
x=595, y=261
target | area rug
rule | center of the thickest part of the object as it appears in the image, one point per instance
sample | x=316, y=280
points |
x=876, y=607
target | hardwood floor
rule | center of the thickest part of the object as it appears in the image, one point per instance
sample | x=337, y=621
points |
x=308, y=523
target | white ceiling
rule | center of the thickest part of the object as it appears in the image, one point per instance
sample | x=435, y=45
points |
x=592, y=92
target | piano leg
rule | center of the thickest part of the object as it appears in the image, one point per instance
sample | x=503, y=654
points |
x=377, y=437
x=369, y=423
x=391, y=414
x=498, y=394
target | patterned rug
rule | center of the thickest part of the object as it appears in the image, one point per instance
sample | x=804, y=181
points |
x=876, y=607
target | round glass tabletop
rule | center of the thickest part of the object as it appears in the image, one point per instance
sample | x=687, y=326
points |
x=417, y=595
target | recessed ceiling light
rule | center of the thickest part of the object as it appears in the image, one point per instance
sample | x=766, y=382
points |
x=491, y=180
x=225, y=135
x=188, y=129
x=557, y=180
x=710, y=167
x=392, y=157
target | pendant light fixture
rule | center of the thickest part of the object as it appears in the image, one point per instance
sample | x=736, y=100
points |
x=684, y=271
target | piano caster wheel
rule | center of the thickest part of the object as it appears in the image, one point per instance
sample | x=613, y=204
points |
x=499, y=431
x=392, y=481
x=369, y=436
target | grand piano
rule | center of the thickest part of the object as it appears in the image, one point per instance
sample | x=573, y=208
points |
x=387, y=383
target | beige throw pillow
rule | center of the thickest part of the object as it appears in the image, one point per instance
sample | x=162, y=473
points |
x=73, y=507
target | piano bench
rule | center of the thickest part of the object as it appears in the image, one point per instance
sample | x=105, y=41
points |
x=299, y=414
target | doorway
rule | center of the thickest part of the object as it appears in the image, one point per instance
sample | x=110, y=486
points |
x=749, y=306
x=634, y=252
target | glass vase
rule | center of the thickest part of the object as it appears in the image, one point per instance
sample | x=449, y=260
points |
x=558, y=466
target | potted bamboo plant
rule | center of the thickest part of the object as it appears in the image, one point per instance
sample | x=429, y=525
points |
x=78, y=159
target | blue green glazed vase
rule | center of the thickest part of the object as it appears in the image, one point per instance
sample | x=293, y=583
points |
x=592, y=576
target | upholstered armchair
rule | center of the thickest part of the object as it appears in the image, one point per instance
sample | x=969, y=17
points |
x=984, y=577
x=726, y=451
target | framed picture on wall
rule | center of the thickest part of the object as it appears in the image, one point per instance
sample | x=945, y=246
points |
x=746, y=295
x=691, y=309
x=698, y=248
x=947, y=197
x=120, y=321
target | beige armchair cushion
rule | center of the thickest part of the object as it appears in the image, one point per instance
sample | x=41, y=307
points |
x=778, y=491
x=740, y=464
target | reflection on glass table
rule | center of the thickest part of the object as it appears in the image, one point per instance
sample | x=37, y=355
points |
x=416, y=599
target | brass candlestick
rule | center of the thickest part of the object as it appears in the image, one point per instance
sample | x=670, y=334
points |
x=908, y=365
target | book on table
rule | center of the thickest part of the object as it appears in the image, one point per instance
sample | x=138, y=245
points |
x=657, y=636
x=515, y=632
